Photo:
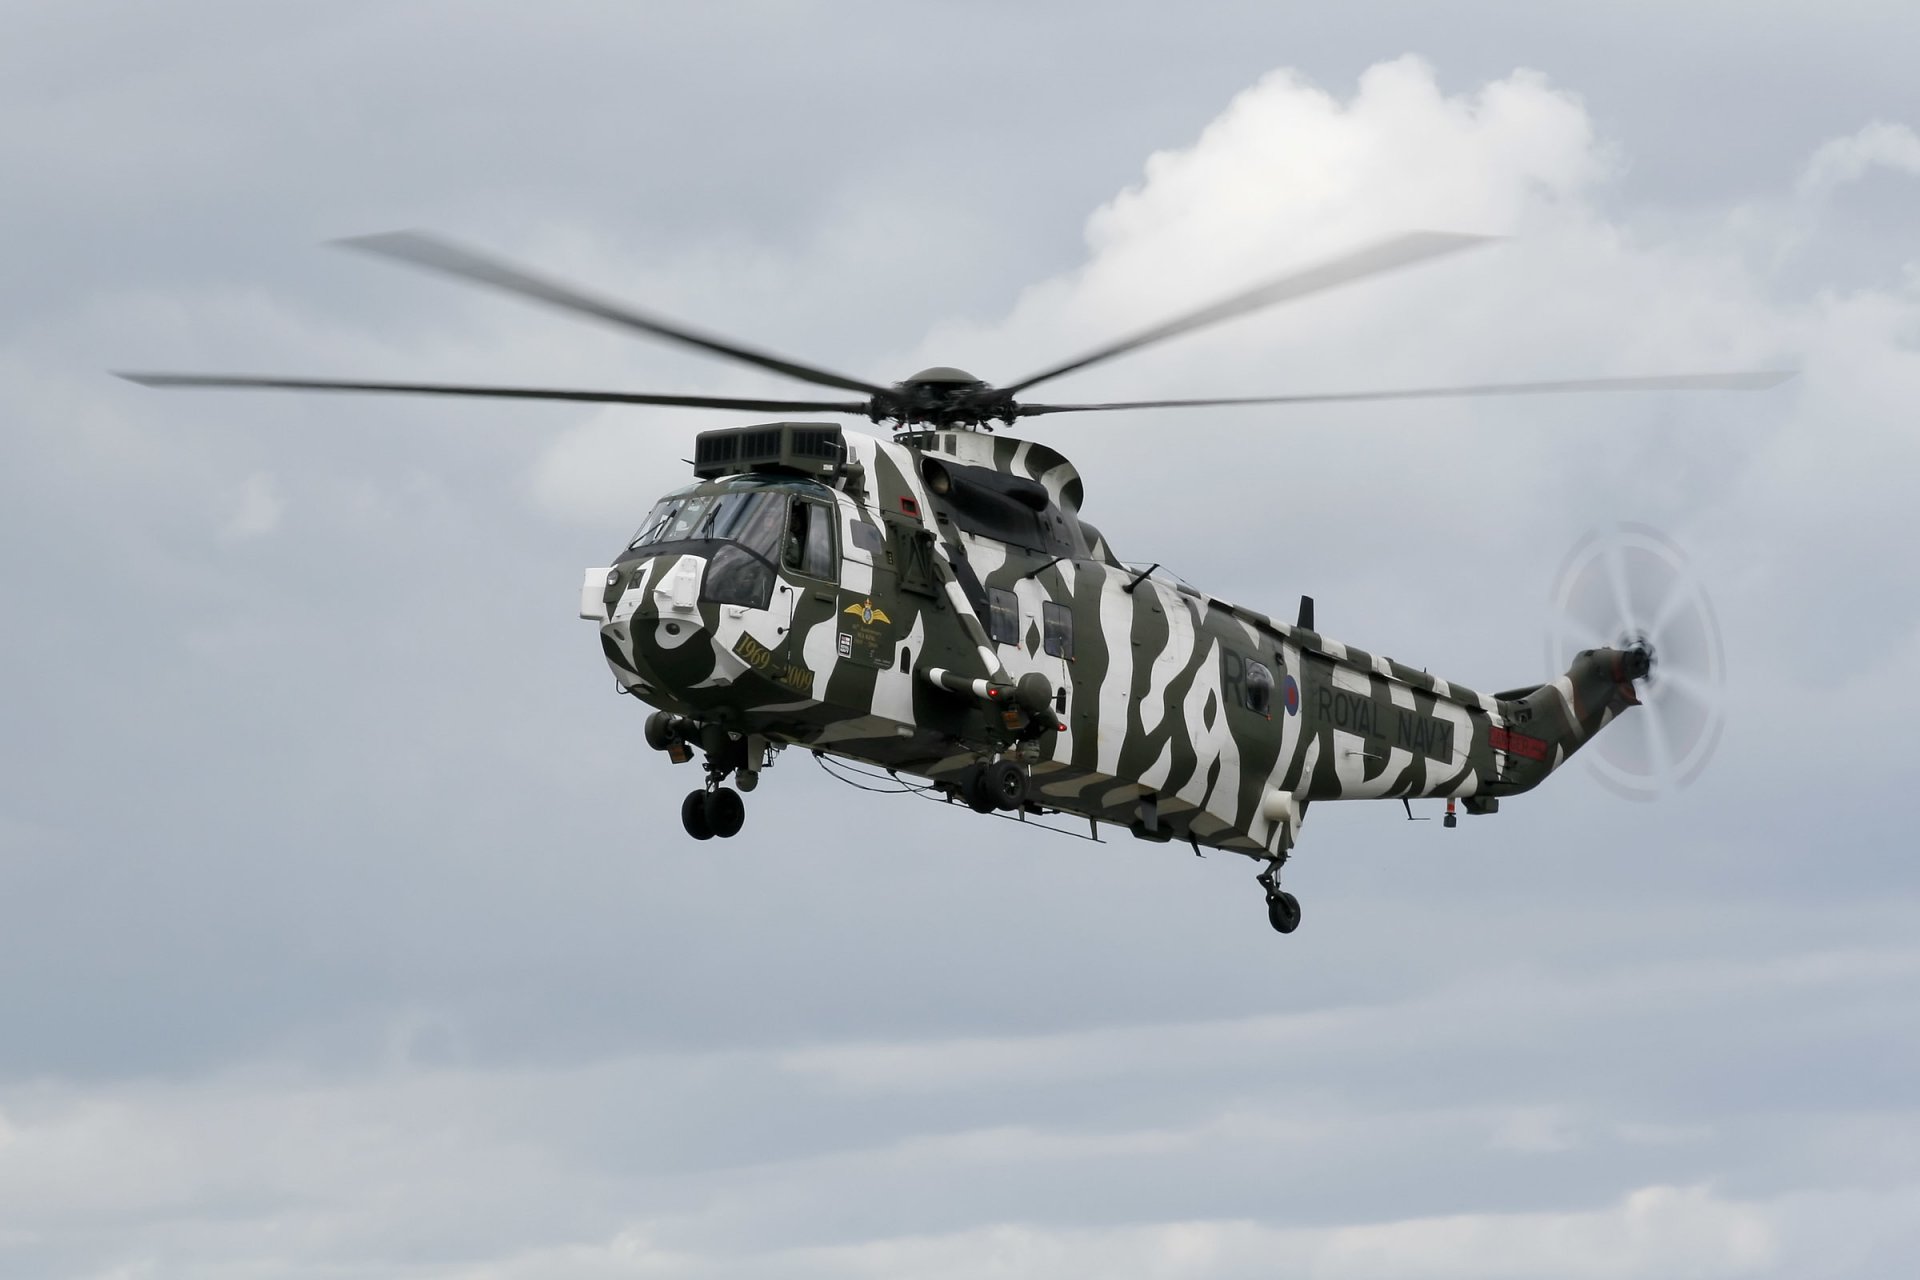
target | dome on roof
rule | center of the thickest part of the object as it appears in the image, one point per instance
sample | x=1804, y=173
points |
x=941, y=373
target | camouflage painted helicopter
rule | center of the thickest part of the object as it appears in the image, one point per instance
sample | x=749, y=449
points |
x=935, y=605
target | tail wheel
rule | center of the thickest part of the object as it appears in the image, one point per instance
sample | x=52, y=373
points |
x=1283, y=911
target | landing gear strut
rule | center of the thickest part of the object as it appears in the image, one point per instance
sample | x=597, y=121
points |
x=716, y=809
x=1283, y=909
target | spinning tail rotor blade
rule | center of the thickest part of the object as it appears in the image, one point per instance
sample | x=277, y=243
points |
x=1632, y=587
x=1754, y=381
x=422, y=250
x=496, y=393
x=1375, y=259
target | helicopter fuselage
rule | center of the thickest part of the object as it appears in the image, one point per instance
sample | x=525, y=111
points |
x=933, y=602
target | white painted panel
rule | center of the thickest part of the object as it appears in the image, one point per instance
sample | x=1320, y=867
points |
x=593, y=589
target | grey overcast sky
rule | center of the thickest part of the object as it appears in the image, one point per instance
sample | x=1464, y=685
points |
x=346, y=928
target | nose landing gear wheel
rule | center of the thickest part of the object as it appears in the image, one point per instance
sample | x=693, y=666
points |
x=1283, y=911
x=693, y=816
x=725, y=811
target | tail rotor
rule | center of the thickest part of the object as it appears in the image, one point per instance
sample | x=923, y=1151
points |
x=1631, y=588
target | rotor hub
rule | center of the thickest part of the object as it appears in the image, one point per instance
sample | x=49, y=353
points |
x=1636, y=660
x=944, y=375
x=943, y=396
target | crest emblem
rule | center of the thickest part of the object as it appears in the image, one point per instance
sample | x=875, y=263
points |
x=867, y=614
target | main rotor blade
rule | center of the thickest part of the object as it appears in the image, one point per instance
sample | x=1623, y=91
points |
x=423, y=250
x=1375, y=259
x=1757, y=381
x=496, y=393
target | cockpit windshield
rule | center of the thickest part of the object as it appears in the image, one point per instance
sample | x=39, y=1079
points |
x=666, y=515
x=751, y=519
x=739, y=531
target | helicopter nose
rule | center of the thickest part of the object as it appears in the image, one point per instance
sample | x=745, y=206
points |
x=662, y=650
x=653, y=632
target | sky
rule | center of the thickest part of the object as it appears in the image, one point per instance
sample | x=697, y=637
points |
x=346, y=924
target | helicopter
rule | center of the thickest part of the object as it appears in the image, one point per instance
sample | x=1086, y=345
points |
x=933, y=605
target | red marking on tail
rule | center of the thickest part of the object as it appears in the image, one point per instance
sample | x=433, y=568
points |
x=1516, y=743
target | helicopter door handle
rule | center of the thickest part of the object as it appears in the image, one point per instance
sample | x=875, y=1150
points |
x=822, y=595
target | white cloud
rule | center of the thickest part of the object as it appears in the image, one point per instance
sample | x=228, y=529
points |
x=1839, y=161
x=1215, y=1151
x=1654, y=1233
x=1668, y=1232
x=1465, y=1013
x=1289, y=171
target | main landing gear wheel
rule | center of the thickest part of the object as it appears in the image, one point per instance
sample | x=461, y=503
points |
x=725, y=811
x=1283, y=911
x=693, y=816
x=999, y=785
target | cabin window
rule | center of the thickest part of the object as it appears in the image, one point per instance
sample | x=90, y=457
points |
x=1056, y=622
x=1003, y=616
x=867, y=538
x=809, y=542
x=1259, y=688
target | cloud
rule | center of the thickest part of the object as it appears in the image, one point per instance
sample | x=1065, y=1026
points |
x=1288, y=171
x=1839, y=161
x=1654, y=1233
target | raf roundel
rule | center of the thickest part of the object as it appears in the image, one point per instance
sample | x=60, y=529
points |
x=1290, y=693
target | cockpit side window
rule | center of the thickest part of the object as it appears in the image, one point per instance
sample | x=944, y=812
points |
x=809, y=544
